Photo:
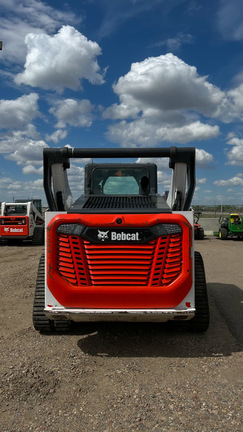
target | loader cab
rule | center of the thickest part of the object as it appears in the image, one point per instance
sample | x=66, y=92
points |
x=15, y=210
x=121, y=179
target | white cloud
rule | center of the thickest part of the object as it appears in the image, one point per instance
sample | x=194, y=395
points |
x=73, y=112
x=234, y=181
x=235, y=155
x=165, y=98
x=30, y=169
x=144, y=133
x=28, y=16
x=29, y=153
x=231, y=107
x=15, y=114
x=60, y=61
x=168, y=88
x=202, y=180
x=167, y=83
x=10, y=188
x=57, y=136
x=11, y=140
x=203, y=158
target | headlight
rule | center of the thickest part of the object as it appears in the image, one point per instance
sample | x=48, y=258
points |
x=166, y=229
x=70, y=229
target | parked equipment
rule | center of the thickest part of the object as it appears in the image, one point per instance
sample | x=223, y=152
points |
x=231, y=226
x=198, y=229
x=21, y=221
x=120, y=252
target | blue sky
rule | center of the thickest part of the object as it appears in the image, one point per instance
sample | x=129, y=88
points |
x=122, y=73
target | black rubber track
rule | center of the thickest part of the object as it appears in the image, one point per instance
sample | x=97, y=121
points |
x=201, y=320
x=38, y=236
x=40, y=321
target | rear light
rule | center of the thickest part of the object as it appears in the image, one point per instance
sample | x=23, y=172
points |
x=71, y=229
x=13, y=221
x=166, y=229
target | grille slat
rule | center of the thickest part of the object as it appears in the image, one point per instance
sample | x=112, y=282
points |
x=156, y=263
x=125, y=264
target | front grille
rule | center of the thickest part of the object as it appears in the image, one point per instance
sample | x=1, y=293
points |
x=119, y=202
x=157, y=263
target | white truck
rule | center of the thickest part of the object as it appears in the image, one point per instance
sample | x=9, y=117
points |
x=21, y=221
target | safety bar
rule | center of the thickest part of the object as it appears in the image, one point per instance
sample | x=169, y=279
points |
x=62, y=155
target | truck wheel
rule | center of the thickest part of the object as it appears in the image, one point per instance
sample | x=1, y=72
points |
x=223, y=233
x=38, y=237
x=40, y=321
x=201, y=320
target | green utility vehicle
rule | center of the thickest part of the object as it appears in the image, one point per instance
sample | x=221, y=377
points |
x=231, y=226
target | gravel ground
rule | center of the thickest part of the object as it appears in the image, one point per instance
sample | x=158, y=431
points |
x=121, y=377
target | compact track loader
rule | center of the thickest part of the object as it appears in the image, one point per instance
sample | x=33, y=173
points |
x=21, y=221
x=120, y=252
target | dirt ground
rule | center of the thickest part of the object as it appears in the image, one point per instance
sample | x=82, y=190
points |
x=122, y=377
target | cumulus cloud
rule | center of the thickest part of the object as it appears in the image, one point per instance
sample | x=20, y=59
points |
x=15, y=114
x=29, y=153
x=148, y=134
x=167, y=83
x=234, y=181
x=202, y=180
x=57, y=136
x=30, y=169
x=203, y=158
x=12, y=139
x=60, y=61
x=10, y=188
x=28, y=16
x=231, y=107
x=72, y=112
x=235, y=155
x=162, y=99
x=168, y=88
x=165, y=99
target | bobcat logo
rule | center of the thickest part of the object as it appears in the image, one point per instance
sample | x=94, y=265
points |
x=102, y=235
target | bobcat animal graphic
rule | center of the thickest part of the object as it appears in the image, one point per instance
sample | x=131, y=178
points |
x=102, y=235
